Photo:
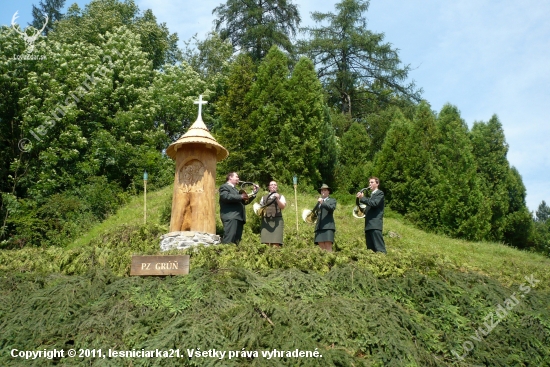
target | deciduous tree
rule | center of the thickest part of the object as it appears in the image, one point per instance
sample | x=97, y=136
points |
x=100, y=16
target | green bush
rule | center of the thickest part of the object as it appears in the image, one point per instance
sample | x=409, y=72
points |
x=61, y=217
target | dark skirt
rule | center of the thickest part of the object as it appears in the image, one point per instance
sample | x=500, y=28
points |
x=272, y=230
x=324, y=235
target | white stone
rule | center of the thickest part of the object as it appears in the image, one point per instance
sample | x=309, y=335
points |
x=182, y=240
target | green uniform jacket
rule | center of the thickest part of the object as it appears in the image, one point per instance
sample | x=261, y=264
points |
x=375, y=211
x=325, y=219
x=231, y=204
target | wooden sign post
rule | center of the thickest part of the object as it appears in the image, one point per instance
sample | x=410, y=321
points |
x=160, y=265
x=295, y=182
x=145, y=177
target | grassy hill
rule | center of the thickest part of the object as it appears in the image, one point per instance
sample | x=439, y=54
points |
x=431, y=301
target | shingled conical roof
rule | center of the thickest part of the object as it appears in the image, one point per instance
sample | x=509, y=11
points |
x=197, y=133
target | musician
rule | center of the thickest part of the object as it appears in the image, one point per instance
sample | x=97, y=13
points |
x=232, y=211
x=272, y=221
x=325, y=226
x=374, y=216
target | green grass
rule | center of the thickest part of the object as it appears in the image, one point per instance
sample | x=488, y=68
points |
x=130, y=214
x=501, y=262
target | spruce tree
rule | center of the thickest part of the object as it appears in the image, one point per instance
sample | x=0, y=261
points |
x=541, y=230
x=407, y=167
x=543, y=212
x=329, y=151
x=274, y=123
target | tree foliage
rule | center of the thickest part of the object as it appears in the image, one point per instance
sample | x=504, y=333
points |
x=543, y=212
x=541, y=230
x=490, y=150
x=254, y=26
x=463, y=210
x=354, y=166
x=501, y=184
x=95, y=110
x=101, y=16
x=354, y=63
x=51, y=9
x=235, y=133
x=210, y=57
x=429, y=171
x=274, y=121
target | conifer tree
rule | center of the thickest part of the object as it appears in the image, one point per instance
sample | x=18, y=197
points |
x=490, y=149
x=354, y=63
x=274, y=123
x=543, y=212
x=50, y=8
x=519, y=224
x=510, y=219
x=235, y=132
x=407, y=167
x=354, y=165
x=391, y=163
x=310, y=137
x=269, y=99
x=255, y=26
x=421, y=169
x=541, y=230
x=463, y=210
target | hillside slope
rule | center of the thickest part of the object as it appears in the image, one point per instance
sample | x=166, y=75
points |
x=431, y=301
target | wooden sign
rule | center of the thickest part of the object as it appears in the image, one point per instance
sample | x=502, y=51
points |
x=160, y=265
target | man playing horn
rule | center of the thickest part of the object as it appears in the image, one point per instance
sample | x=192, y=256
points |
x=232, y=210
x=374, y=217
x=272, y=220
x=325, y=226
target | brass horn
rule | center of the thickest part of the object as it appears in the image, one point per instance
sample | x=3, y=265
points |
x=310, y=216
x=359, y=211
x=252, y=195
x=260, y=209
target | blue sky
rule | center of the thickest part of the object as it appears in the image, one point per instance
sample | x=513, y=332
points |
x=484, y=56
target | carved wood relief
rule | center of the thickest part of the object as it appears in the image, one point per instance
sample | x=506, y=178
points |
x=190, y=177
